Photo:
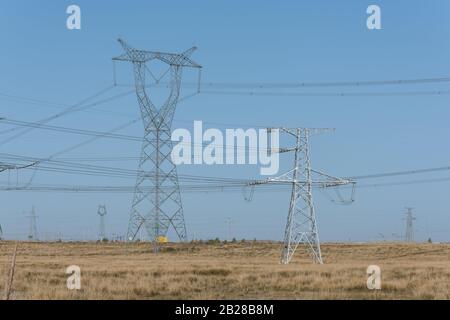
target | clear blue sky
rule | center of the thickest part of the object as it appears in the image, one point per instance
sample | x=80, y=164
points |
x=239, y=41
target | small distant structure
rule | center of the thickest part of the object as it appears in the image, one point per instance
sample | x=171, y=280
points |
x=409, y=233
x=33, y=234
x=229, y=223
x=102, y=213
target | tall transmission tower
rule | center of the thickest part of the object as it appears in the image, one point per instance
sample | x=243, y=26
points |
x=301, y=225
x=32, y=235
x=1, y=232
x=157, y=200
x=101, y=211
x=409, y=233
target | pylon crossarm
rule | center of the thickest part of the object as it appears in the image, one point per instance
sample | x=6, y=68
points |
x=315, y=184
x=330, y=181
x=285, y=177
x=307, y=131
x=168, y=58
x=281, y=150
x=142, y=56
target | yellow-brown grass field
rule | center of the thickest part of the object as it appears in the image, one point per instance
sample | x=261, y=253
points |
x=247, y=270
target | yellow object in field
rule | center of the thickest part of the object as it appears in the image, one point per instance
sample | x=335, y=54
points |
x=162, y=239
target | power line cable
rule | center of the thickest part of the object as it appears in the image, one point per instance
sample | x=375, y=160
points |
x=328, y=94
x=74, y=108
x=100, y=134
x=399, y=173
x=186, y=188
x=317, y=84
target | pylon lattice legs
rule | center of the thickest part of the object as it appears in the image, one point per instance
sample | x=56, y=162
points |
x=157, y=188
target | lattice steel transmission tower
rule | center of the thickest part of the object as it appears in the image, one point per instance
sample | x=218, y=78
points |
x=32, y=235
x=409, y=233
x=157, y=200
x=101, y=211
x=301, y=225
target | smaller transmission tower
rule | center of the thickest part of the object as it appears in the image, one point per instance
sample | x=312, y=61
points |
x=1, y=232
x=301, y=225
x=102, y=213
x=32, y=235
x=409, y=233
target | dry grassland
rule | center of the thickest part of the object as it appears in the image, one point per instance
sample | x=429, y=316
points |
x=249, y=270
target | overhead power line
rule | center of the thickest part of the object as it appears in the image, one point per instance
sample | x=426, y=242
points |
x=57, y=105
x=74, y=108
x=69, y=167
x=231, y=187
x=328, y=94
x=70, y=130
x=100, y=134
x=300, y=84
x=400, y=173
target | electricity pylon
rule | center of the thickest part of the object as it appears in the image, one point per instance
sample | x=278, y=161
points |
x=102, y=213
x=33, y=225
x=301, y=225
x=157, y=200
x=409, y=233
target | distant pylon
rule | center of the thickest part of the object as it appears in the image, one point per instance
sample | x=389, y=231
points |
x=409, y=232
x=102, y=213
x=32, y=235
x=157, y=201
x=229, y=224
